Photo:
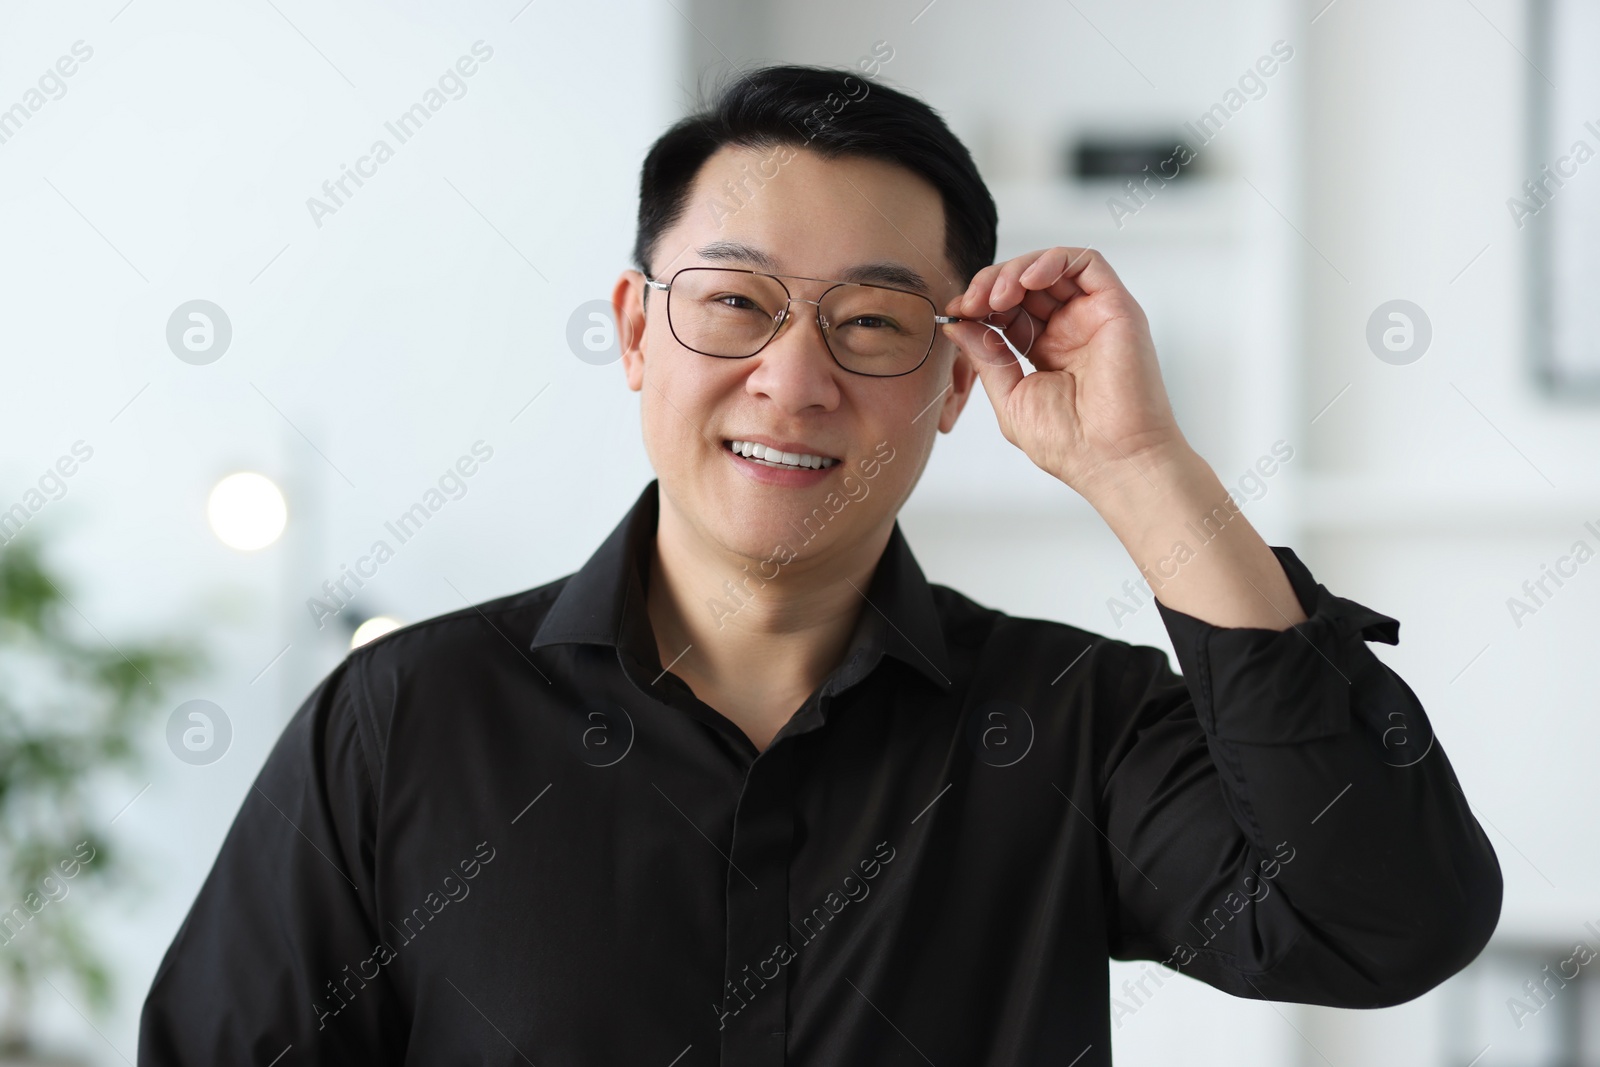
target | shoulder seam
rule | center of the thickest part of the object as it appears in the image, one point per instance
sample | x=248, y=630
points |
x=537, y=595
x=373, y=761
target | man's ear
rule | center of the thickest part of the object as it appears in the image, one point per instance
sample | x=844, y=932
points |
x=962, y=376
x=627, y=307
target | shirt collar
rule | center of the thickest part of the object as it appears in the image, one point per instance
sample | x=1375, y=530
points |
x=603, y=604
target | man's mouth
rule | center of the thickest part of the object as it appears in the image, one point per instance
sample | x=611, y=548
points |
x=768, y=456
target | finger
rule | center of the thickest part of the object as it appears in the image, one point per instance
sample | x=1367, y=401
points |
x=1042, y=306
x=1021, y=327
x=1055, y=273
x=1039, y=304
x=1062, y=272
x=966, y=305
x=988, y=283
x=1007, y=290
x=1077, y=270
x=1044, y=271
x=999, y=371
x=986, y=344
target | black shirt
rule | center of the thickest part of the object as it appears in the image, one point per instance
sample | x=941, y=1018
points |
x=507, y=835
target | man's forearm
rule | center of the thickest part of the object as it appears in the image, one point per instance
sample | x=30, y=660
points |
x=1195, y=548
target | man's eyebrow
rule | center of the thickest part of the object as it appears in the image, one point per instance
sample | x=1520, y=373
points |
x=733, y=251
x=896, y=275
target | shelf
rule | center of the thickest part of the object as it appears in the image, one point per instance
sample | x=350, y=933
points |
x=1359, y=503
x=1204, y=210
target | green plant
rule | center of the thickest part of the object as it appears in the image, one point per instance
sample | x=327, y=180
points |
x=72, y=709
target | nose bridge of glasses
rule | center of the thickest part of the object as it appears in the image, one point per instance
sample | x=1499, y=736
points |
x=782, y=317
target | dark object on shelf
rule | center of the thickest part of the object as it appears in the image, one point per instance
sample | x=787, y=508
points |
x=1097, y=158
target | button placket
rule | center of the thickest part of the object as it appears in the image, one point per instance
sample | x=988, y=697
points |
x=755, y=990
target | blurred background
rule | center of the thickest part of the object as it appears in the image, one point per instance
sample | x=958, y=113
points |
x=1370, y=270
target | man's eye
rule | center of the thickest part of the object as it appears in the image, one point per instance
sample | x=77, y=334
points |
x=871, y=321
x=737, y=302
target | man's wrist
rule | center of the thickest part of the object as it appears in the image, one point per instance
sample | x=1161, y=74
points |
x=1167, y=481
x=1192, y=543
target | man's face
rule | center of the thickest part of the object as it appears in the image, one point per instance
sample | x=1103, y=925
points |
x=816, y=218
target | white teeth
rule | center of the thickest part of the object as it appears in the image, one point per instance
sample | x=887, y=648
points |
x=774, y=458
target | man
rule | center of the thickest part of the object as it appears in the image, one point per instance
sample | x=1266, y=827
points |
x=746, y=789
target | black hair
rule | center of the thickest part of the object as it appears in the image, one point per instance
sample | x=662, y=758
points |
x=834, y=113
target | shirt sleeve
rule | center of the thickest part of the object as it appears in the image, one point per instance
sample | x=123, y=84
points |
x=1282, y=822
x=266, y=959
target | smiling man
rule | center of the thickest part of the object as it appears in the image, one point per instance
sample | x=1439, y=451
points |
x=747, y=789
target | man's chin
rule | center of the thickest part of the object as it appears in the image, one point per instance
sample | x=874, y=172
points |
x=762, y=524
x=760, y=528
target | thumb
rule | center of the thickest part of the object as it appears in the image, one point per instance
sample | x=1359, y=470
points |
x=997, y=367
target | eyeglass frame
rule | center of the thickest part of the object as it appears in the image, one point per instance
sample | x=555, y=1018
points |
x=783, y=316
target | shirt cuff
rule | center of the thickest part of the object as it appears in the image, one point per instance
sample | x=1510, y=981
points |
x=1279, y=687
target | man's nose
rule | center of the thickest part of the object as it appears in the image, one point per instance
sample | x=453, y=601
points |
x=796, y=368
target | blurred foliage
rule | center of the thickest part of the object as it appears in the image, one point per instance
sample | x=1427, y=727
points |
x=73, y=707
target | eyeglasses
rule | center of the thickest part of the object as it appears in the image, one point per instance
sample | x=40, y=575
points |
x=732, y=313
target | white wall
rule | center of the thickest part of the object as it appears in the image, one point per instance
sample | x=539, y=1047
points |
x=1443, y=485
x=391, y=337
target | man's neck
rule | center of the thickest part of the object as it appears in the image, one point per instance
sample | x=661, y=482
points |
x=760, y=653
